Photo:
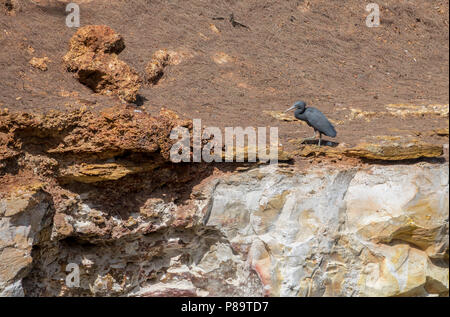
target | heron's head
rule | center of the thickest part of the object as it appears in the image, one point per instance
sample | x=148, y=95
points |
x=301, y=105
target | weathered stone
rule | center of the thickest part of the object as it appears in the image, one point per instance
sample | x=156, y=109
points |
x=160, y=60
x=22, y=217
x=269, y=231
x=222, y=58
x=92, y=173
x=400, y=110
x=442, y=132
x=93, y=57
x=384, y=148
x=184, y=229
x=340, y=233
x=103, y=135
x=10, y=7
x=394, y=151
x=214, y=28
x=251, y=153
x=40, y=63
x=404, y=110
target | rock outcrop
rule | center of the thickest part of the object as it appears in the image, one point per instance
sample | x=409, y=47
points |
x=84, y=137
x=40, y=63
x=401, y=111
x=160, y=60
x=376, y=232
x=93, y=57
x=10, y=7
x=97, y=191
x=382, y=148
x=25, y=214
x=269, y=231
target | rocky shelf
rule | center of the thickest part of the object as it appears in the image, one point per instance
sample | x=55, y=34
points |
x=98, y=190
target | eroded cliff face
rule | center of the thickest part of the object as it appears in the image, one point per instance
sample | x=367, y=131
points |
x=98, y=191
x=381, y=231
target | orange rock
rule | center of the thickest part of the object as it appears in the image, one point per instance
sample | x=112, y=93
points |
x=10, y=6
x=386, y=148
x=39, y=63
x=155, y=68
x=93, y=57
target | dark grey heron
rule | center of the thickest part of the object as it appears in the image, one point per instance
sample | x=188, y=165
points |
x=315, y=119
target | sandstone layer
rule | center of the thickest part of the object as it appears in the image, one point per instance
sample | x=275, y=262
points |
x=379, y=148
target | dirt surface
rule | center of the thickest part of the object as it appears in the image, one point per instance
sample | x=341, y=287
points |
x=318, y=51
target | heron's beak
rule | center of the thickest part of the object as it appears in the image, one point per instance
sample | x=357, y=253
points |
x=293, y=107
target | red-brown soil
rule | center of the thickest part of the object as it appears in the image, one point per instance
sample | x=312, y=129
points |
x=319, y=51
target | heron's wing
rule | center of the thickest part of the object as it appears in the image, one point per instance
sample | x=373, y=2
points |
x=318, y=121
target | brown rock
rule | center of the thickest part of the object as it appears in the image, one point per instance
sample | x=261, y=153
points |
x=109, y=133
x=40, y=63
x=395, y=152
x=10, y=6
x=155, y=68
x=250, y=153
x=86, y=143
x=92, y=173
x=442, y=132
x=62, y=227
x=384, y=148
x=93, y=57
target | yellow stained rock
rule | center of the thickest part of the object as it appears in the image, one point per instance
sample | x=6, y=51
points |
x=402, y=271
x=20, y=199
x=40, y=63
x=247, y=153
x=394, y=151
x=403, y=110
x=92, y=173
x=400, y=110
x=214, y=28
x=222, y=58
x=386, y=148
x=442, y=132
x=279, y=115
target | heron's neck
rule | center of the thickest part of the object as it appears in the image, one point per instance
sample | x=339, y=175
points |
x=300, y=110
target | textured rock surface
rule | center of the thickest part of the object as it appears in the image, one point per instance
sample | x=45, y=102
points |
x=155, y=68
x=98, y=190
x=93, y=57
x=24, y=214
x=10, y=7
x=401, y=111
x=385, y=148
x=80, y=142
x=39, y=63
x=376, y=232
x=381, y=231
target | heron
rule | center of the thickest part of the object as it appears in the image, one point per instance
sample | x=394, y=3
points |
x=315, y=119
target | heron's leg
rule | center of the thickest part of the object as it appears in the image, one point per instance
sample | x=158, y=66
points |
x=311, y=138
x=320, y=138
